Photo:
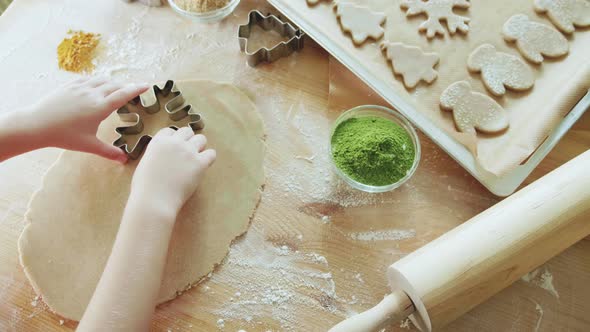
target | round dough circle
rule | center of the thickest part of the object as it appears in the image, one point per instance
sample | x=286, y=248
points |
x=73, y=219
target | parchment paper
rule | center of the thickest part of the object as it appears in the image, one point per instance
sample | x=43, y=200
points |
x=559, y=85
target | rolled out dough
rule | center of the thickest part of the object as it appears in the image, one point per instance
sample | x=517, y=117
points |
x=73, y=219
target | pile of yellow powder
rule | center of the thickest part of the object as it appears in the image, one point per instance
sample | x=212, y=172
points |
x=75, y=54
x=201, y=6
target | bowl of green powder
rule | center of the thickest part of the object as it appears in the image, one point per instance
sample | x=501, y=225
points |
x=374, y=149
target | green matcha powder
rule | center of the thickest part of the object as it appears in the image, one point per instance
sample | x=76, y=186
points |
x=373, y=150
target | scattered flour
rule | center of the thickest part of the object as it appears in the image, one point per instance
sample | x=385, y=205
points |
x=543, y=280
x=286, y=279
x=540, y=311
x=308, y=159
x=221, y=323
x=386, y=235
x=35, y=301
x=405, y=324
x=318, y=259
x=125, y=52
x=359, y=278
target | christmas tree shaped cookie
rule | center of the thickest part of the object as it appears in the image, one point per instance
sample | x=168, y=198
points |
x=473, y=111
x=500, y=70
x=411, y=63
x=534, y=40
x=360, y=22
x=566, y=14
x=437, y=11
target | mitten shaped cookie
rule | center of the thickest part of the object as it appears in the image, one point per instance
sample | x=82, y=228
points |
x=411, y=62
x=566, y=14
x=500, y=70
x=534, y=40
x=473, y=110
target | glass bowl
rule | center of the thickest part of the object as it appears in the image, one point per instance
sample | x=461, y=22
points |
x=206, y=17
x=383, y=112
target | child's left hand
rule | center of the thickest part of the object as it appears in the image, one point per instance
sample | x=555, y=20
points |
x=69, y=117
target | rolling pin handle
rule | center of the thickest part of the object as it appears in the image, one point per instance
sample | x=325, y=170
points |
x=395, y=306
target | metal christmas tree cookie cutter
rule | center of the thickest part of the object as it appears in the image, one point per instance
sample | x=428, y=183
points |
x=270, y=22
x=173, y=107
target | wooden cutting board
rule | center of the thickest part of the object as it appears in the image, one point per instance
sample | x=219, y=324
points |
x=316, y=251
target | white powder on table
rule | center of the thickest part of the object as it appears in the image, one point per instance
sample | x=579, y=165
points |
x=539, y=309
x=385, y=235
x=221, y=323
x=405, y=324
x=285, y=280
x=121, y=53
x=543, y=280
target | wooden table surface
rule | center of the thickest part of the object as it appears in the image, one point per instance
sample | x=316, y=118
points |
x=316, y=251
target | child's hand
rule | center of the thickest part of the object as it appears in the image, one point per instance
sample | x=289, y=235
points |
x=69, y=117
x=171, y=167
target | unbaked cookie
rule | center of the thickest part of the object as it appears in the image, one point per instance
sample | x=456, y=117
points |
x=360, y=22
x=566, y=14
x=67, y=238
x=533, y=39
x=473, y=111
x=500, y=70
x=315, y=2
x=411, y=63
x=437, y=11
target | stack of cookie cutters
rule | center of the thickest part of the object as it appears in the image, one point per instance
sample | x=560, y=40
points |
x=173, y=107
x=270, y=22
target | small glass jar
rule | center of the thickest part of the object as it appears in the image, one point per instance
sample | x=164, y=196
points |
x=207, y=17
x=386, y=113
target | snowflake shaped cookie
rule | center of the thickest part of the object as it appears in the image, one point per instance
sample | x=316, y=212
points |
x=437, y=11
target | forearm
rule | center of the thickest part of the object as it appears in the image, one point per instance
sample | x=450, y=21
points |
x=126, y=295
x=17, y=134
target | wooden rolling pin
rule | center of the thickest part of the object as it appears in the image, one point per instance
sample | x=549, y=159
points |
x=464, y=267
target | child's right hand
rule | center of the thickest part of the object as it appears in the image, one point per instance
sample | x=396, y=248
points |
x=171, y=167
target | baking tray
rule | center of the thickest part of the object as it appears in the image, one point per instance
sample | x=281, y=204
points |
x=499, y=185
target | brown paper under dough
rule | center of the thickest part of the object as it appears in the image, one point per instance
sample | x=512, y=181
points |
x=74, y=218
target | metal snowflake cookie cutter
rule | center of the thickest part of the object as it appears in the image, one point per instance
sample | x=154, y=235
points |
x=173, y=107
x=270, y=22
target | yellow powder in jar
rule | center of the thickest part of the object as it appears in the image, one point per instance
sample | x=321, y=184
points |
x=75, y=53
x=201, y=6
